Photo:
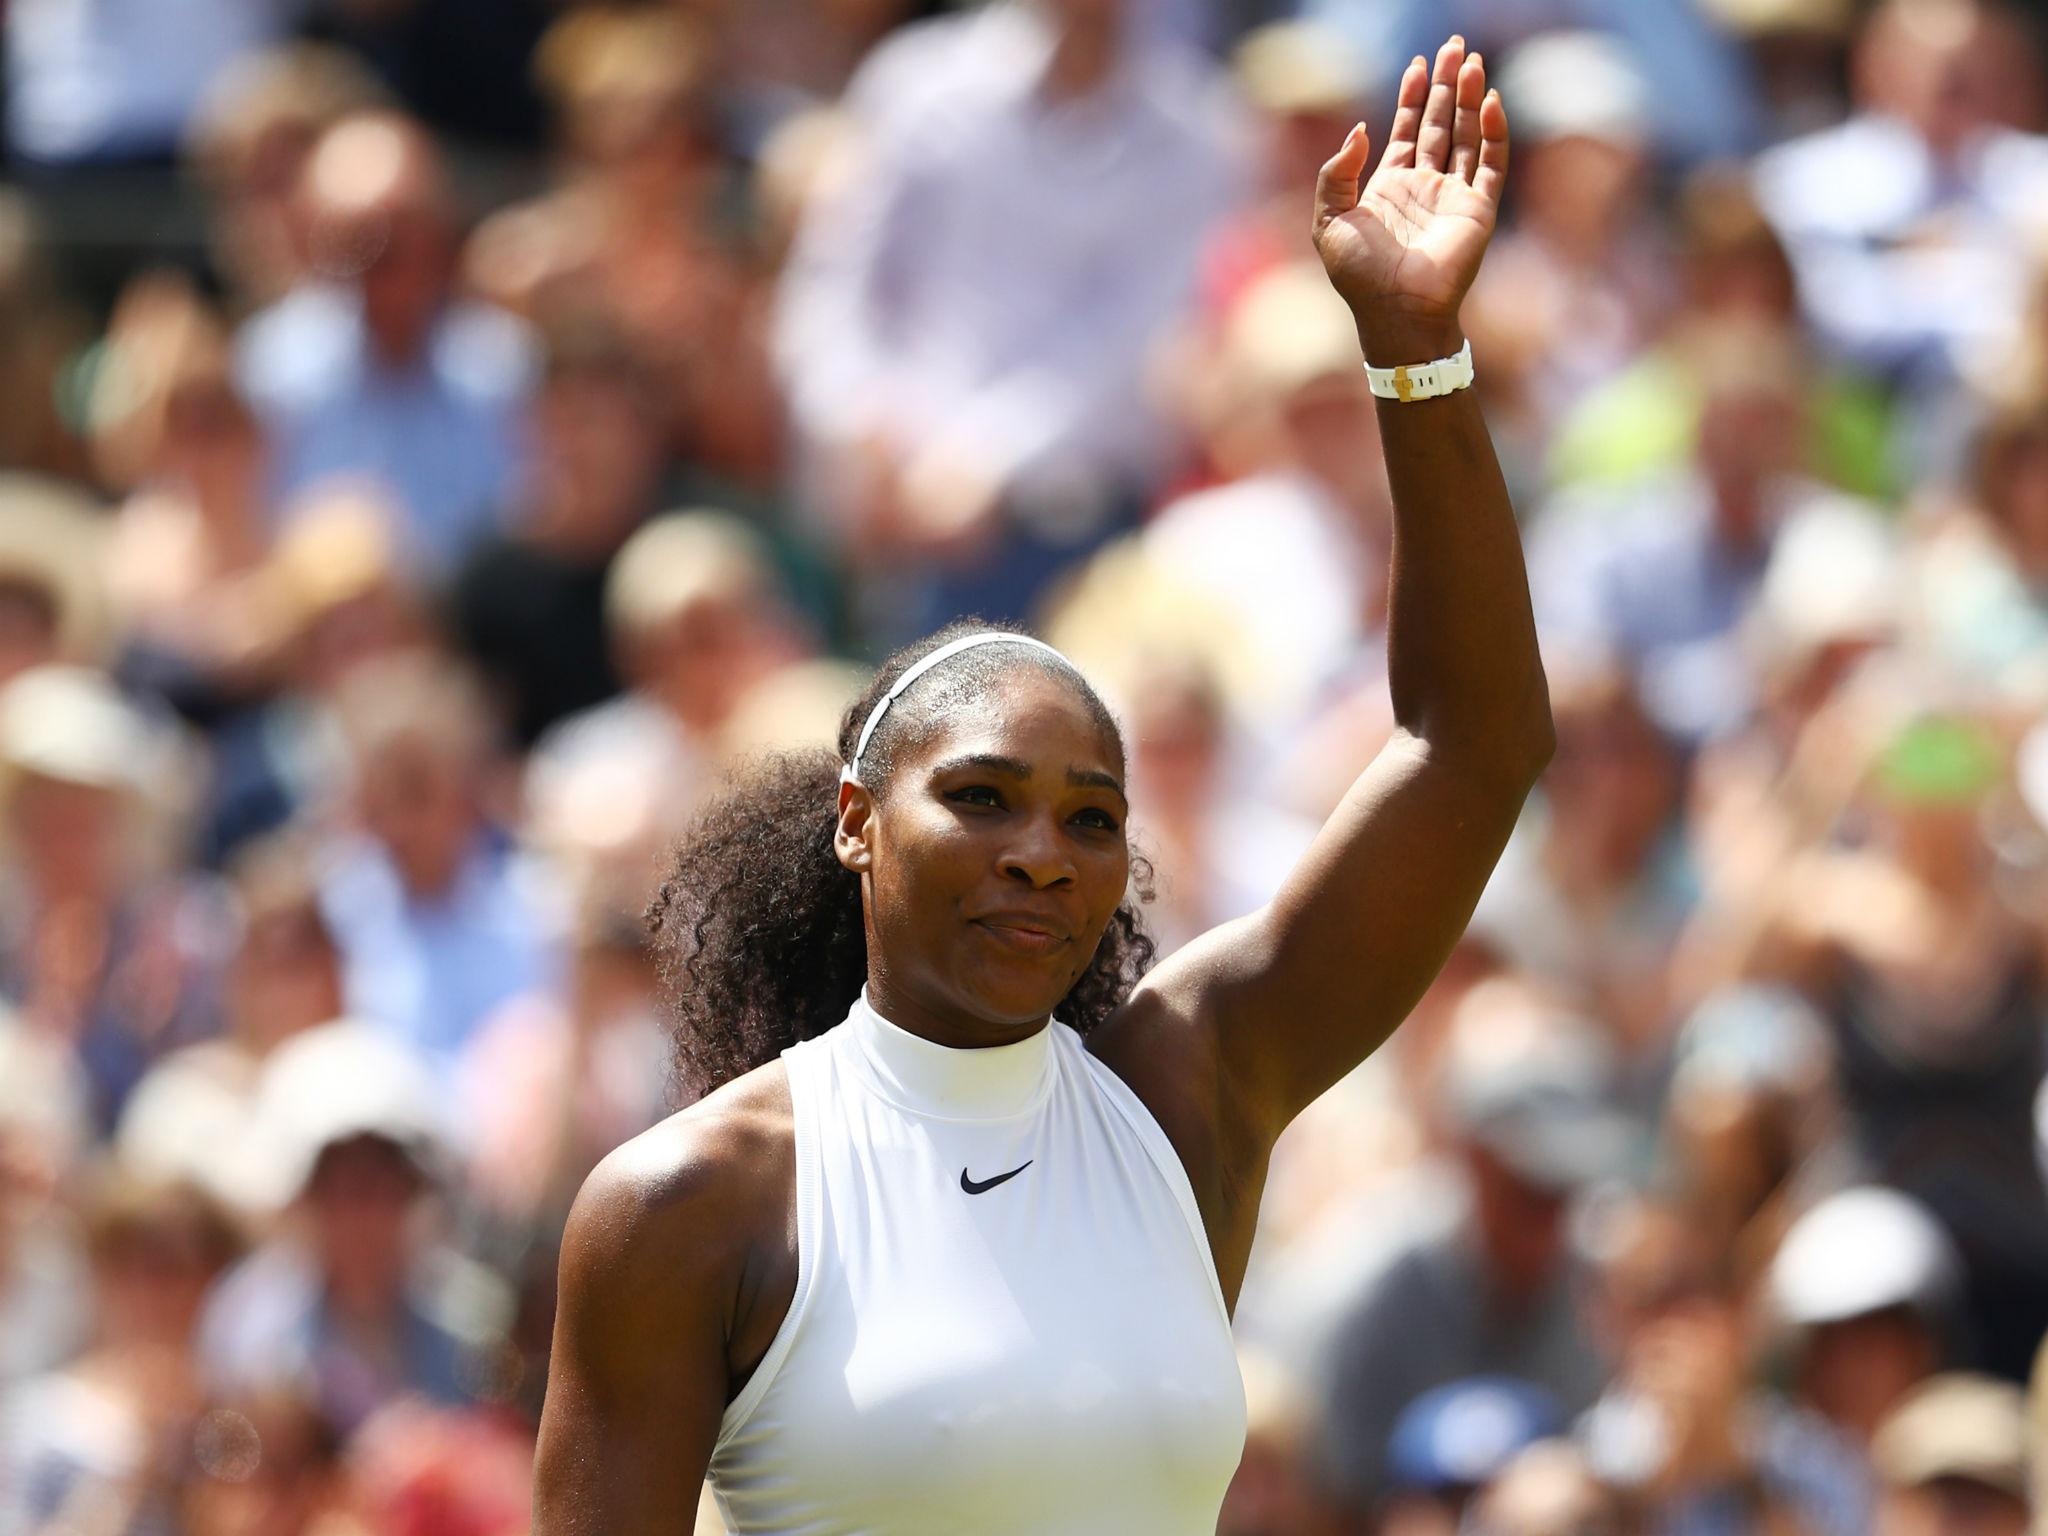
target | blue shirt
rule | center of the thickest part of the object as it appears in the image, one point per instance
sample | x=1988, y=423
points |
x=443, y=435
x=433, y=970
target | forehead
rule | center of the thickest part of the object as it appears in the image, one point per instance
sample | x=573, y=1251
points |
x=1023, y=714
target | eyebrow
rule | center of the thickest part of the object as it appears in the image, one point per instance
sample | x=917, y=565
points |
x=1017, y=768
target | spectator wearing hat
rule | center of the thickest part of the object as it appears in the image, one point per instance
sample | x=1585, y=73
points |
x=1679, y=1430
x=438, y=917
x=1451, y=1442
x=1863, y=1296
x=100, y=947
x=351, y=1304
x=371, y=368
x=1486, y=1283
x=1954, y=1459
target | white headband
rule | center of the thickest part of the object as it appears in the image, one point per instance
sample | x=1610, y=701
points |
x=850, y=774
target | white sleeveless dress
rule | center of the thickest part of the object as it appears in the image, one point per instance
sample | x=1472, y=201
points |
x=1006, y=1318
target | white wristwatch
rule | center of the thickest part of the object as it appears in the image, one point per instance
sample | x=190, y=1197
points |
x=1422, y=381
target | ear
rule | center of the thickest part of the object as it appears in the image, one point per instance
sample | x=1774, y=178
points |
x=850, y=835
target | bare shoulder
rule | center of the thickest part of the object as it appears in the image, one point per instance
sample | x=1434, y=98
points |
x=675, y=1254
x=700, y=1186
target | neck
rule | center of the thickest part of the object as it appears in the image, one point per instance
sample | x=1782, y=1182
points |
x=952, y=1027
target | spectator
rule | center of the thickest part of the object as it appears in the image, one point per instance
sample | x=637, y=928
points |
x=1592, y=892
x=1578, y=284
x=973, y=404
x=1931, y=982
x=106, y=1440
x=1485, y=1284
x=248, y=147
x=1905, y=222
x=347, y=1303
x=187, y=1116
x=1292, y=550
x=173, y=433
x=45, y=1126
x=529, y=602
x=697, y=619
x=1452, y=1441
x=1662, y=574
x=40, y=327
x=1306, y=86
x=371, y=367
x=97, y=949
x=437, y=917
x=1732, y=269
x=552, y=1083
x=1865, y=1287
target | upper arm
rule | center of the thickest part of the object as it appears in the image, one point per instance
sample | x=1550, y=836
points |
x=638, y=1376
x=1298, y=994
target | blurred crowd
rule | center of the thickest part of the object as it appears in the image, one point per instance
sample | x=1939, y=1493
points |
x=440, y=438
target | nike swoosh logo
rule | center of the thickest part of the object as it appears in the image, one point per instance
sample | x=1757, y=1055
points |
x=983, y=1186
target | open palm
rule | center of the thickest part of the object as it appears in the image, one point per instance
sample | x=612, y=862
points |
x=1409, y=244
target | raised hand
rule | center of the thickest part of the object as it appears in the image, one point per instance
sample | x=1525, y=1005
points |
x=1404, y=250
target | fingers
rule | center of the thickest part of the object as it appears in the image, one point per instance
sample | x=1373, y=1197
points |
x=1493, y=149
x=1439, y=112
x=1470, y=93
x=1407, y=115
x=1337, y=181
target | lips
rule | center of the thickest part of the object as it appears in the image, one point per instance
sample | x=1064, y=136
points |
x=1026, y=932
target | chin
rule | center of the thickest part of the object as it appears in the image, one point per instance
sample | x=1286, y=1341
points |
x=1016, y=996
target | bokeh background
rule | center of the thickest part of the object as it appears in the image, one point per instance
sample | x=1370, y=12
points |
x=439, y=437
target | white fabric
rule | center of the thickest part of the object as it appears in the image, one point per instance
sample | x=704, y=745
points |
x=989, y=276
x=1049, y=1355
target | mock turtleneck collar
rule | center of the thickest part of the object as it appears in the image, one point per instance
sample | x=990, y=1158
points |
x=992, y=1082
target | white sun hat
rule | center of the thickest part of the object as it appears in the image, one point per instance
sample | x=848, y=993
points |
x=1861, y=1251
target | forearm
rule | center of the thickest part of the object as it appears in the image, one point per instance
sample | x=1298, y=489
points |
x=1462, y=662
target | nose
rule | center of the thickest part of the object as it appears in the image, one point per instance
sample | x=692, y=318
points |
x=1038, y=855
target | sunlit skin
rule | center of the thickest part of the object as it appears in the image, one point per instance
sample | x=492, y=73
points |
x=990, y=865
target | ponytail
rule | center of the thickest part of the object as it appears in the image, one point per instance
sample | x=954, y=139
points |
x=757, y=928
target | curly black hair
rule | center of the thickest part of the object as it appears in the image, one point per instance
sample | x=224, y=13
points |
x=757, y=928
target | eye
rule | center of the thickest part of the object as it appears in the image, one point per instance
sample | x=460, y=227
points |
x=1097, y=820
x=977, y=794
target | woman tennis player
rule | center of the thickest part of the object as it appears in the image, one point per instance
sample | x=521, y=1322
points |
x=951, y=1248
